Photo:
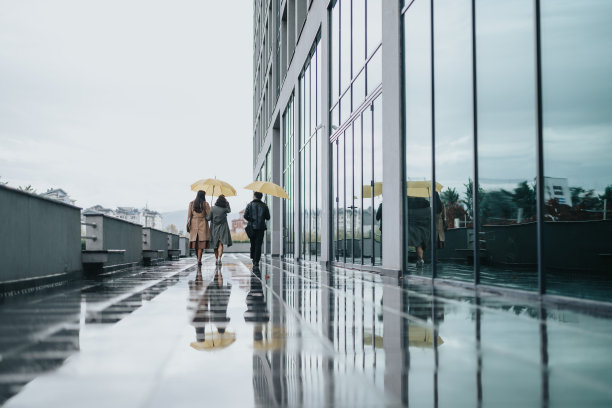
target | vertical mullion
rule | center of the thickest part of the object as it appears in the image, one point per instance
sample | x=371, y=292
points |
x=372, y=184
x=539, y=150
x=475, y=181
x=432, y=205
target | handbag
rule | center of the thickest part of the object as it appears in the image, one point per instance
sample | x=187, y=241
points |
x=188, y=227
x=249, y=231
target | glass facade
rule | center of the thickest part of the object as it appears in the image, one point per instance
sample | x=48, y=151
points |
x=310, y=155
x=288, y=178
x=577, y=144
x=496, y=99
x=356, y=133
x=498, y=141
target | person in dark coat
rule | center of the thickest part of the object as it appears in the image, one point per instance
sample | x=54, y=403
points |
x=256, y=214
x=219, y=229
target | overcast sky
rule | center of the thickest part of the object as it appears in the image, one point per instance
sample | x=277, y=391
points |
x=126, y=103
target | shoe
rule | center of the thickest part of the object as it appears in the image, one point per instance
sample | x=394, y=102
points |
x=419, y=263
x=199, y=263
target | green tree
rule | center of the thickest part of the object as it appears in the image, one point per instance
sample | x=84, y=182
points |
x=607, y=195
x=585, y=199
x=468, y=197
x=449, y=197
x=524, y=197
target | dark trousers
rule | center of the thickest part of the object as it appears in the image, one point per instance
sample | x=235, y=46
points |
x=256, y=242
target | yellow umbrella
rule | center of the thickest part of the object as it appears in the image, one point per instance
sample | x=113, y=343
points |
x=214, y=187
x=422, y=337
x=215, y=342
x=267, y=187
x=378, y=189
x=421, y=188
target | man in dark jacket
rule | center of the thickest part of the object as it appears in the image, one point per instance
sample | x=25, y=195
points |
x=256, y=213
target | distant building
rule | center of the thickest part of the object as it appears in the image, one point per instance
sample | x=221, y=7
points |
x=557, y=188
x=100, y=210
x=144, y=217
x=59, y=195
x=130, y=214
x=150, y=218
x=239, y=224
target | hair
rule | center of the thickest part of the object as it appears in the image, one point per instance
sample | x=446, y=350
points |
x=221, y=202
x=198, y=204
x=258, y=195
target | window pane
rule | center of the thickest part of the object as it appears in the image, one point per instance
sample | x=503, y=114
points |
x=358, y=191
x=417, y=80
x=577, y=107
x=345, y=43
x=341, y=200
x=368, y=196
x=350, y=196
x=335, y=53
x=454, y=137
x=378, y=177
x=374, y=24
x=334, y=148
x=506, y=144
x=359, y=34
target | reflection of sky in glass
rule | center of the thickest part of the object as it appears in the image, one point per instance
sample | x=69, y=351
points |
x=453, y=81
x=417, y=66
x=577, y=91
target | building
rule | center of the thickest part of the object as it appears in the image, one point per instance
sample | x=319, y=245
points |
x=144, y=216
x=100, y=210
x=130, y=214
x=239, y=224
x=59, y=195
x=150, y=218
x=436, y=96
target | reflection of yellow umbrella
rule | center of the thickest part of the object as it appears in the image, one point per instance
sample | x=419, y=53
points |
x=268, y=344
x=214, y=187
x=378, y=340
x=215, y=342
x=421, y=188
x=378, y=189
x=422, y=337
x=267, y=187
x=273, y=340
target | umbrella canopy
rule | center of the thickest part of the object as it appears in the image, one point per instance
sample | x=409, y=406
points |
x=214, y=187
x=421, y=188
x=267, y=187
x=378, y=189
x=215, y=342
x=422, y=337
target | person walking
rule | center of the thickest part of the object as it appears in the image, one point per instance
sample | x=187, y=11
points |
x=256, y=214
x=219, y=228
x=197, y=226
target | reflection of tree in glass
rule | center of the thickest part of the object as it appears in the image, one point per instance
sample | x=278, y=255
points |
x=449, y=197
x=586, y=205
x=584, y=199
x=468, y=196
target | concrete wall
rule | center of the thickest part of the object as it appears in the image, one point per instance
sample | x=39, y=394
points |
x=154, y=239
x=38, y=237
x=113, y=233
x=173, y=241
x=184, y=246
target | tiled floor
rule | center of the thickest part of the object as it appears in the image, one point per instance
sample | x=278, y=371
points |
x=176, y=336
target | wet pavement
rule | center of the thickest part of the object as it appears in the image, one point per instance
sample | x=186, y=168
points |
x=175, y=335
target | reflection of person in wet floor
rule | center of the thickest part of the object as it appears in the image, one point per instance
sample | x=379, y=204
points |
x=212, y=306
